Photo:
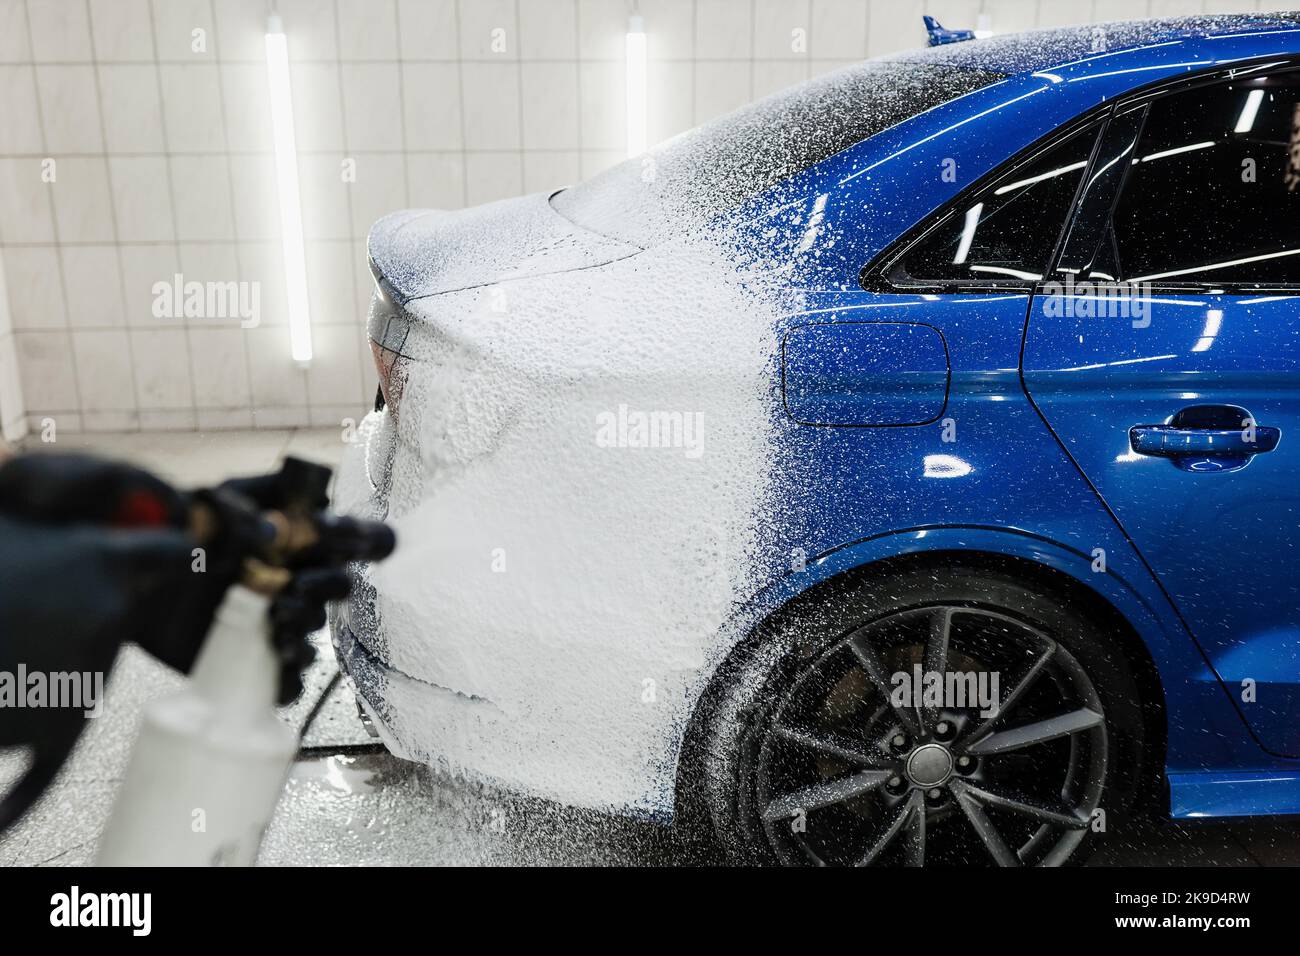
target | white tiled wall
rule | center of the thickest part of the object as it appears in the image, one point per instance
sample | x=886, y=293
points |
x=155, y=113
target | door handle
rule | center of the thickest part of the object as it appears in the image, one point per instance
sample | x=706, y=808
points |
x=1206, y=438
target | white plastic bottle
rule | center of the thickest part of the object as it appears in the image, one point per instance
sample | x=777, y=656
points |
x=210, y=763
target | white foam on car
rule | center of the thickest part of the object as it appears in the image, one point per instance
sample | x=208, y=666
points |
x=563, y=594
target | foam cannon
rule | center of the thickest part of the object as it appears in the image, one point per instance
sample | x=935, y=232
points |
x=210, y=762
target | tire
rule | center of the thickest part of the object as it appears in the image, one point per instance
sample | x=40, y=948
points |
x=809, y=753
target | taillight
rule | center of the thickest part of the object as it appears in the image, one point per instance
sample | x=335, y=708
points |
x=388, y=329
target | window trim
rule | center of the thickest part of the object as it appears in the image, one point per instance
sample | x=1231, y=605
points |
x=874, y=276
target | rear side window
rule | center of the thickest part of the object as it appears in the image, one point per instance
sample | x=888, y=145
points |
x=1213, y=193
x=1007, y=231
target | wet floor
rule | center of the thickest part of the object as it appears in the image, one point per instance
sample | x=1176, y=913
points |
x=348, y=802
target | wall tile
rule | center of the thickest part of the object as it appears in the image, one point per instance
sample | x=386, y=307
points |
x=275, y=380
x=548, y=30
x=14, y=45
x=547, y=172
x=335, y=374
x=119, y=420
x=32, y=275
x=431, y=106
x=672, y=109
x=26, y=209
x=367, y=29
x=70, y=109
x=83, y=202
x=21, y=130
x=191, y=96
x=119, y=29
x=142, y=267
x=488, y=30
x=104, y=373
x=1011, y=15
x=311, y=29
x=723, y=29
x=317, y=107
x=141, y=198
x=162, y=369
x=219, y=368
x=437, y=180
x=325, y=196
x=132, y=108
x=894, y=25
x=782, y=28
x=428, y=29
x=60, y=31
x=602, y=29
x=48, y=374
x=720, y=88
x=13, y=409
x=167, y=420
x=201, y=195
x=92, y=284
x=771, y=76
x=603, y=102
x=332, y=299
x=241, y=30
x=372, y=106
x=491, y=98
x=839, y=29
x=380, y=189
x=257, y=209
x=245, y=95
x=492, y=176
x=550, y=106
x=263, y=263
x=174, y=23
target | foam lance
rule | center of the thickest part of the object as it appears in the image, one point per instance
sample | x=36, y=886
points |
x=210, y=762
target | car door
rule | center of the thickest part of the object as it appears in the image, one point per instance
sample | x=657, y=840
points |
x=1164, y=353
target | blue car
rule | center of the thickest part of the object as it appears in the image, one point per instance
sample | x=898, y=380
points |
x=897, y=471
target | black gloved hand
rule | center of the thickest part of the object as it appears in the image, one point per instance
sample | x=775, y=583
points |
x=67, y=600
x=70, y=488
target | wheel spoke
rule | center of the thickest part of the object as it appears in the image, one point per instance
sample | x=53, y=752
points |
x=827, y=747
x=824, y=794
x=870, y=662
x=1059, y=815
x=882, y=842
x=1017, y=692
x=1002, y=854
x=914, y=835
x=807, y=850
x=1038, y=732
x=936, y=656
x=936, y=647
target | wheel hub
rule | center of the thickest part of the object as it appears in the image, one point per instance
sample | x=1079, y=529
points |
x=929, y=765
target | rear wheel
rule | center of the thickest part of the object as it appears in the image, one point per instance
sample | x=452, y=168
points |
x=835, y=743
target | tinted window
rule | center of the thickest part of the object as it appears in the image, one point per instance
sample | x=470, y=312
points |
x=1007, y=231
x=692, y=177
x=1213, y=192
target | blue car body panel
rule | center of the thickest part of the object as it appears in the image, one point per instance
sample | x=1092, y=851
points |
x=1045, y=478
